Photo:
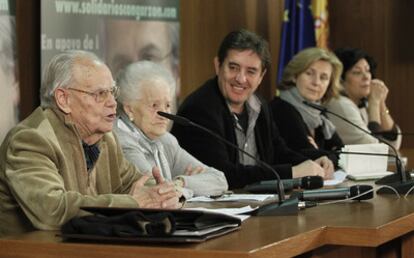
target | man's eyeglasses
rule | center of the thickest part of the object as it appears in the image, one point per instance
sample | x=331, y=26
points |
x=100, y=95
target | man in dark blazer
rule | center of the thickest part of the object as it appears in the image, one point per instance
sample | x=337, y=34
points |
x=228, y=105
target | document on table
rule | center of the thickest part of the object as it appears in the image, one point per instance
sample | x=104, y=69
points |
x=202, y=232
x=237, y=212
x=339, y=177
x=232, y=198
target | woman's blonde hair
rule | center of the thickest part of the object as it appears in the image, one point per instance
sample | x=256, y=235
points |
x=302, y=60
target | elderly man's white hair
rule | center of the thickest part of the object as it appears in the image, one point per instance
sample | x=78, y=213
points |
x=59, y=73
x=130, y=80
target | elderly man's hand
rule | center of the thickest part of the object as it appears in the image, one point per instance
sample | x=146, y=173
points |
x=162, y=195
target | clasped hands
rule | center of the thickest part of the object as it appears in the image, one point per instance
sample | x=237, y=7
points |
x=162, y=195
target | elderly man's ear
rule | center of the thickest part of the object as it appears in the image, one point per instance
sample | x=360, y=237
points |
x=62, y=100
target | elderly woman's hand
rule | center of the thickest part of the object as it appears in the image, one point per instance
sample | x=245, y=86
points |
x=190, y=170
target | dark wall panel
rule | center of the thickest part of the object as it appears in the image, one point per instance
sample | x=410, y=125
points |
x=204, y=23
x=28, y=48
x=384, y=28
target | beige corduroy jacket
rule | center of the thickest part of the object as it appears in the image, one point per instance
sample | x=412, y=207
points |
x=43, y=175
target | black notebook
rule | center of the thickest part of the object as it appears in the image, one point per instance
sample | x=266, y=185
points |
x=134, y=225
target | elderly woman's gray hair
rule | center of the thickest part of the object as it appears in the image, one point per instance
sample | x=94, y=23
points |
x=59, y=73
x=130, y=80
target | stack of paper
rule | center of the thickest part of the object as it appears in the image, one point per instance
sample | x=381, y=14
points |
x=365, y=165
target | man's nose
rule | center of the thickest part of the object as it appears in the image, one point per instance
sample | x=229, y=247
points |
x=241, y=77
x=111, y=101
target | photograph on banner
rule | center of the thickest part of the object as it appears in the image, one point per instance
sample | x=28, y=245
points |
x=9, y=85
x=118, y=31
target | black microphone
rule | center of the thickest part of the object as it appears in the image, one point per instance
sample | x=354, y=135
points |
x=270, y=186
x=338, y=193
x=318, y=107
x=176, y=118
x=392, y=133
x=283, y=207
x=400, y=181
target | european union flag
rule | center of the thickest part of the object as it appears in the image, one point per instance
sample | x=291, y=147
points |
x=298, y=31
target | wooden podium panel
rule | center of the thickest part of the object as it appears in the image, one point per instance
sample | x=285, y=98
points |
x=373, y=228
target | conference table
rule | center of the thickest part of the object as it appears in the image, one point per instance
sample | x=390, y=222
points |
x=379, y=227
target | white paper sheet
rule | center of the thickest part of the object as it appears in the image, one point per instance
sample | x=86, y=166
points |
x=339, y=177
x=232, y=198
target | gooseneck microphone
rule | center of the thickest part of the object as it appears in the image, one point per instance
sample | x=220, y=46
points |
x=365, y=153
x=269, y=186
x=403, y=182
x=361, y=192
x=283, y=207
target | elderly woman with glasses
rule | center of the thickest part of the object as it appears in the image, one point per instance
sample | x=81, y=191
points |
x=362, y=101
x=147, y=88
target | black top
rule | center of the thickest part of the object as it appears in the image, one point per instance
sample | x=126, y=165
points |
x=207, y=107
x=295, y=132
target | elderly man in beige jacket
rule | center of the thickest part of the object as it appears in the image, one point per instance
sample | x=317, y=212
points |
x=64, y=155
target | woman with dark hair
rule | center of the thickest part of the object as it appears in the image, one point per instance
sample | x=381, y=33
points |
x=362, y=101
x=313, y=76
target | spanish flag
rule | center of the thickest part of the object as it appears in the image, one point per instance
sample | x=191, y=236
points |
x=305, y=24
x=320, y=14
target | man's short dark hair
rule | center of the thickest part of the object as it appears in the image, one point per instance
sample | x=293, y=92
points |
x=245, y=40
x=350, y=56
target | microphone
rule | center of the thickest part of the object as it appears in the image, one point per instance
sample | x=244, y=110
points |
x=283, y=206
x=269, y=186
x=318, y=107
x=393, y=133
x=338, y=193
x=178, y=119
x=400, y=181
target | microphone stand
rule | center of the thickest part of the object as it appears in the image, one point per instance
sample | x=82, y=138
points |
x=283, y=206
x=364, y=153
x=400, y=181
